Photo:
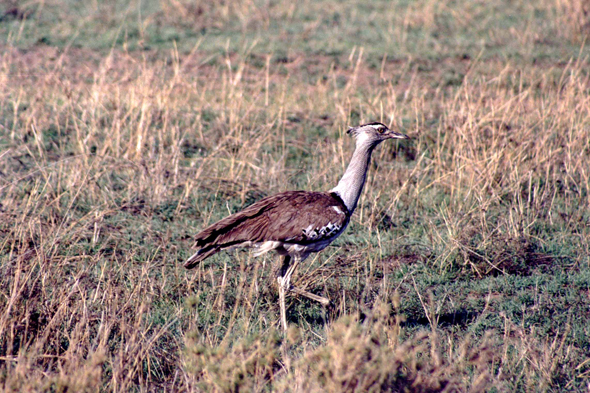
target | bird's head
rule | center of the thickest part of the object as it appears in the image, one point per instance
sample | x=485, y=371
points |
x=374, y=133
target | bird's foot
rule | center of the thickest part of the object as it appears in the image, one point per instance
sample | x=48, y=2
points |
x=324, y=301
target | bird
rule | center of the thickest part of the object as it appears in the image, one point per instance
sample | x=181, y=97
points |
x=295, y=224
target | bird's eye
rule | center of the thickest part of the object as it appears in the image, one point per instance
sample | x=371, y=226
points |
x=381, y=130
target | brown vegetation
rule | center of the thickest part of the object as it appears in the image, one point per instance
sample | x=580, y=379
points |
x=465, y=267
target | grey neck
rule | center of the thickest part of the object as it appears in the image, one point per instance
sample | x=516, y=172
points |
x=351, y=185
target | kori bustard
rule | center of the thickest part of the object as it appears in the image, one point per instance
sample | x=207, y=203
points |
x=296, y=223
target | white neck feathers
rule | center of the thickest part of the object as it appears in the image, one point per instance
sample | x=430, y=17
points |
x=349, y=188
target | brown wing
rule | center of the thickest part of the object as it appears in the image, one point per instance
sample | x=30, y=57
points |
x=304, y=217
x=295, y=216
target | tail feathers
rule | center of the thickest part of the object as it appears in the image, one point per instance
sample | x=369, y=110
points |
x=242, y=229
x=200, y=255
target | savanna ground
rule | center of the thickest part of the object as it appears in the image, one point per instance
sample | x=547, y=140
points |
x=126, y=126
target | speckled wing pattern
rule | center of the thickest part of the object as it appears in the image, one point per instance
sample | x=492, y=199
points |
x=299, y=217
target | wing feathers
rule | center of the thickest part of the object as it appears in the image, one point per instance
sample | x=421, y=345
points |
x=293, y=216
x=200, y=255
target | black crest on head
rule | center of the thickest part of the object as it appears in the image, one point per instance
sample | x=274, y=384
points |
x=375, y=123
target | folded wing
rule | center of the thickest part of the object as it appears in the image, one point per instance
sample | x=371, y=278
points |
x=294, y=217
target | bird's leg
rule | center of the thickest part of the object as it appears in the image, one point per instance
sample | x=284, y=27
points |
x=284, y=266
x=283, y=281
x=287, y=277
x=324, y=301
x=282, y=305
x=287, y=271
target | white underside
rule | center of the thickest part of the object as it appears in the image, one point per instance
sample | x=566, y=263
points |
x=301, y=251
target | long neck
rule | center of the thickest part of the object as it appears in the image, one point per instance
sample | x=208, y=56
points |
x=351, y=185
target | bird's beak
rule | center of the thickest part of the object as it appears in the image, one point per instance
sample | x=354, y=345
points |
x=397, y=135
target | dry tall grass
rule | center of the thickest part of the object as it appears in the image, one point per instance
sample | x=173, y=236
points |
x=109, y=163
x=90, y=150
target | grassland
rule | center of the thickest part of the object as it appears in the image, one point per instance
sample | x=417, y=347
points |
x=126, y=126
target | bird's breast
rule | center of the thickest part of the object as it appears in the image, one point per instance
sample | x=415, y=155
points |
x=316, y=239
